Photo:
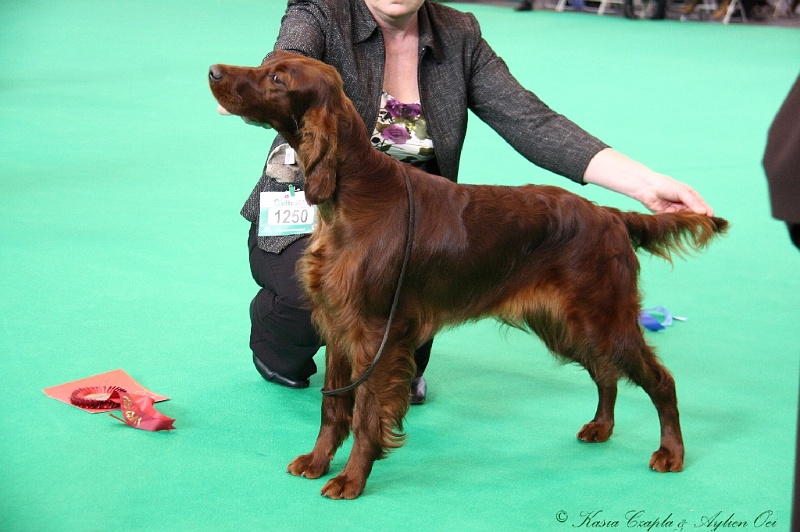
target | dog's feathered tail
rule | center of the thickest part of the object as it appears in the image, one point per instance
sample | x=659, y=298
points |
x=669, y=234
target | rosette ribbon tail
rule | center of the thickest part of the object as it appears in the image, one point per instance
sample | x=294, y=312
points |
x=139, y=413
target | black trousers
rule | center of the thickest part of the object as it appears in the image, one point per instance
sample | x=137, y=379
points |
x=281, y=333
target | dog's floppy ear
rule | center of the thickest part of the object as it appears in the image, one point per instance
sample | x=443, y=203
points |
x=318, y=147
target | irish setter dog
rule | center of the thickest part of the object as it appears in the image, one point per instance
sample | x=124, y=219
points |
x=537, y=258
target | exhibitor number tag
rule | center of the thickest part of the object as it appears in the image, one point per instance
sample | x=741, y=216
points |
x=286, y=213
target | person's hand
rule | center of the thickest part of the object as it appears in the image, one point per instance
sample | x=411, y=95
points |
x=658, y=192
x=661, y=193
x=224, y=112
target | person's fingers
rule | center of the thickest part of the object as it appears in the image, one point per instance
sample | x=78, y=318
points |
x=695, y=202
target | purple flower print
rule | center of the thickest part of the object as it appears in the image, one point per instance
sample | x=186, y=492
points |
x=396, y=133
x=406, y=110
x=394, y=108
x=412, y=110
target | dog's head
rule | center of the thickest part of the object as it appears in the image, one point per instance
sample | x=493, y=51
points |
x=301, y=99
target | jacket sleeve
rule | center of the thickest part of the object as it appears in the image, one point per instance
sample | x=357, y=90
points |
x=302, y=31
x=299, y=33
x=544, y=137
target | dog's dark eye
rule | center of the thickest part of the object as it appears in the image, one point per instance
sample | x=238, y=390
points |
x=277, y=79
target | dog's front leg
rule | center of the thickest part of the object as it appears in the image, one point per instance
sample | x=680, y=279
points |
x=381, y=403
x=350, y=483
x=337, y=412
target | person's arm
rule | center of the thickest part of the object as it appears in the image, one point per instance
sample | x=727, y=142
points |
x=303, y=29
x=658, y=192
x=555, y=143
x=544, y=137
x=301, y=33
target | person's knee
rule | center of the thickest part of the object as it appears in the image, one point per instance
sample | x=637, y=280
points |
x=284, y=318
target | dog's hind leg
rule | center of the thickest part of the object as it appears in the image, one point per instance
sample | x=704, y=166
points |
x=337, y=412
x=643, y=368
x=600, y=428
x=550, y=324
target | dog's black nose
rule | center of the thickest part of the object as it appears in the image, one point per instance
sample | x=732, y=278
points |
x=215, y=73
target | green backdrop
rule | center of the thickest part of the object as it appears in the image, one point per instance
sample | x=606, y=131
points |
x=121, y=247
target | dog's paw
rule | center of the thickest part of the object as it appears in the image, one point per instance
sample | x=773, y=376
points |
x=665, y=461
x=343, y=487
x=595, y=432
x=306, y=465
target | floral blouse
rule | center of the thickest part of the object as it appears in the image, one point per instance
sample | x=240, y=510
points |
x=402, y=131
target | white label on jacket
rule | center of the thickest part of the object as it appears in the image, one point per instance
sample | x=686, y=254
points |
x=286, y=213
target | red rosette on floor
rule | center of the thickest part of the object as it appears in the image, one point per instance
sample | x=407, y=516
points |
x=97, y=397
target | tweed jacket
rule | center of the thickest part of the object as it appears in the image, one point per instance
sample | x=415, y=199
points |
x=458, y=71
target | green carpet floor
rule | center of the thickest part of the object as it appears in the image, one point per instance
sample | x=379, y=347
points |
x=121, y=247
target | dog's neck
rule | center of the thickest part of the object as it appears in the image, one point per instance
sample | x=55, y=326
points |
x=351, y=133
x=332, y=142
